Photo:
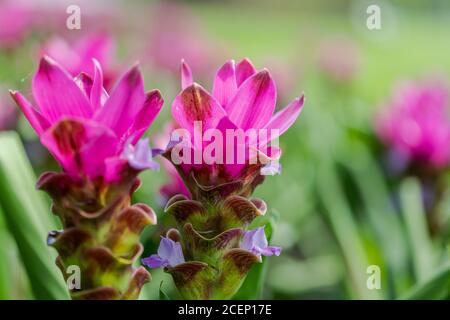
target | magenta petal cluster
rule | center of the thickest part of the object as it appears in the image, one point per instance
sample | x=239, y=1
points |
x=241, y=98
x=86, y=128
x=169, y=254
x=416, y=124
x=255, y=241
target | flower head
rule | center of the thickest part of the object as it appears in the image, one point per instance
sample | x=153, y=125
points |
x=416, y=125
x=169, y=254
x=255, y=241
x=242, y=100
x=84, y=127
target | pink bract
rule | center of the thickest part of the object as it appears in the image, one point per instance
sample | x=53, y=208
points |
x=90, y=132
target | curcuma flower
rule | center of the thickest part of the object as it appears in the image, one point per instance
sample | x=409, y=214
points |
x=212, y=223
x=95, y=137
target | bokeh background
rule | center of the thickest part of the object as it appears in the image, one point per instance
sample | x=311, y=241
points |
x=337, y=208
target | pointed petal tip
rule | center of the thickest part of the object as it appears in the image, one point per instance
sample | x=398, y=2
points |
x=154, y=94
x=46, y=62
x=246, y=61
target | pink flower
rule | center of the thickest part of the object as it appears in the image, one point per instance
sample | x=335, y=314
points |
x=175, y=185
x=242, y=98
x=77, y=57
x=170, y=254
x=416, y=125
x=256, y=242
x=15, y=22
x=91, y=133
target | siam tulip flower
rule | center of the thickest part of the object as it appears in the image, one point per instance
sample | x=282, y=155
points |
x=94, y=135
x=242, y=99
x=77, y=57
x=212, y=222
x=169, y=254
x=255, y=241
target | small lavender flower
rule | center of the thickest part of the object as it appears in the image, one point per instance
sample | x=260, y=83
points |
x=140, y=156
x=169, y=254
x=255, y=241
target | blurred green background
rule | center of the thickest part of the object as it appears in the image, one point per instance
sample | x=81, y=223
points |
x=332, y=204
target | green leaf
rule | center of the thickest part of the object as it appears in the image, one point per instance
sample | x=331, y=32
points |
x=6, y=285
x=29, y=219
x=414, y=214
x=345, y=228
x=437, y=287
x=162, y=294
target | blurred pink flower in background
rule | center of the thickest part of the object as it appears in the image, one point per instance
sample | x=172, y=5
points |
x=77, y=57
x=242, y=98
x=338, y=59
x=416, y=124
x=8, y=112
x=175, y=35
x=15, y=23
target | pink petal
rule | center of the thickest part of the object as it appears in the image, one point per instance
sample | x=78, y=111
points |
x=152, y=106
x=80, y=146
x=99, y=46
x=244, y=70
x=225, y=86
x=34, y=117
x=84, y=81
x=97, y=86
x=254, y=103
x=195, y=104
x=124, y=103
x=285, y=118
x=57, y=94
x=186, y=75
